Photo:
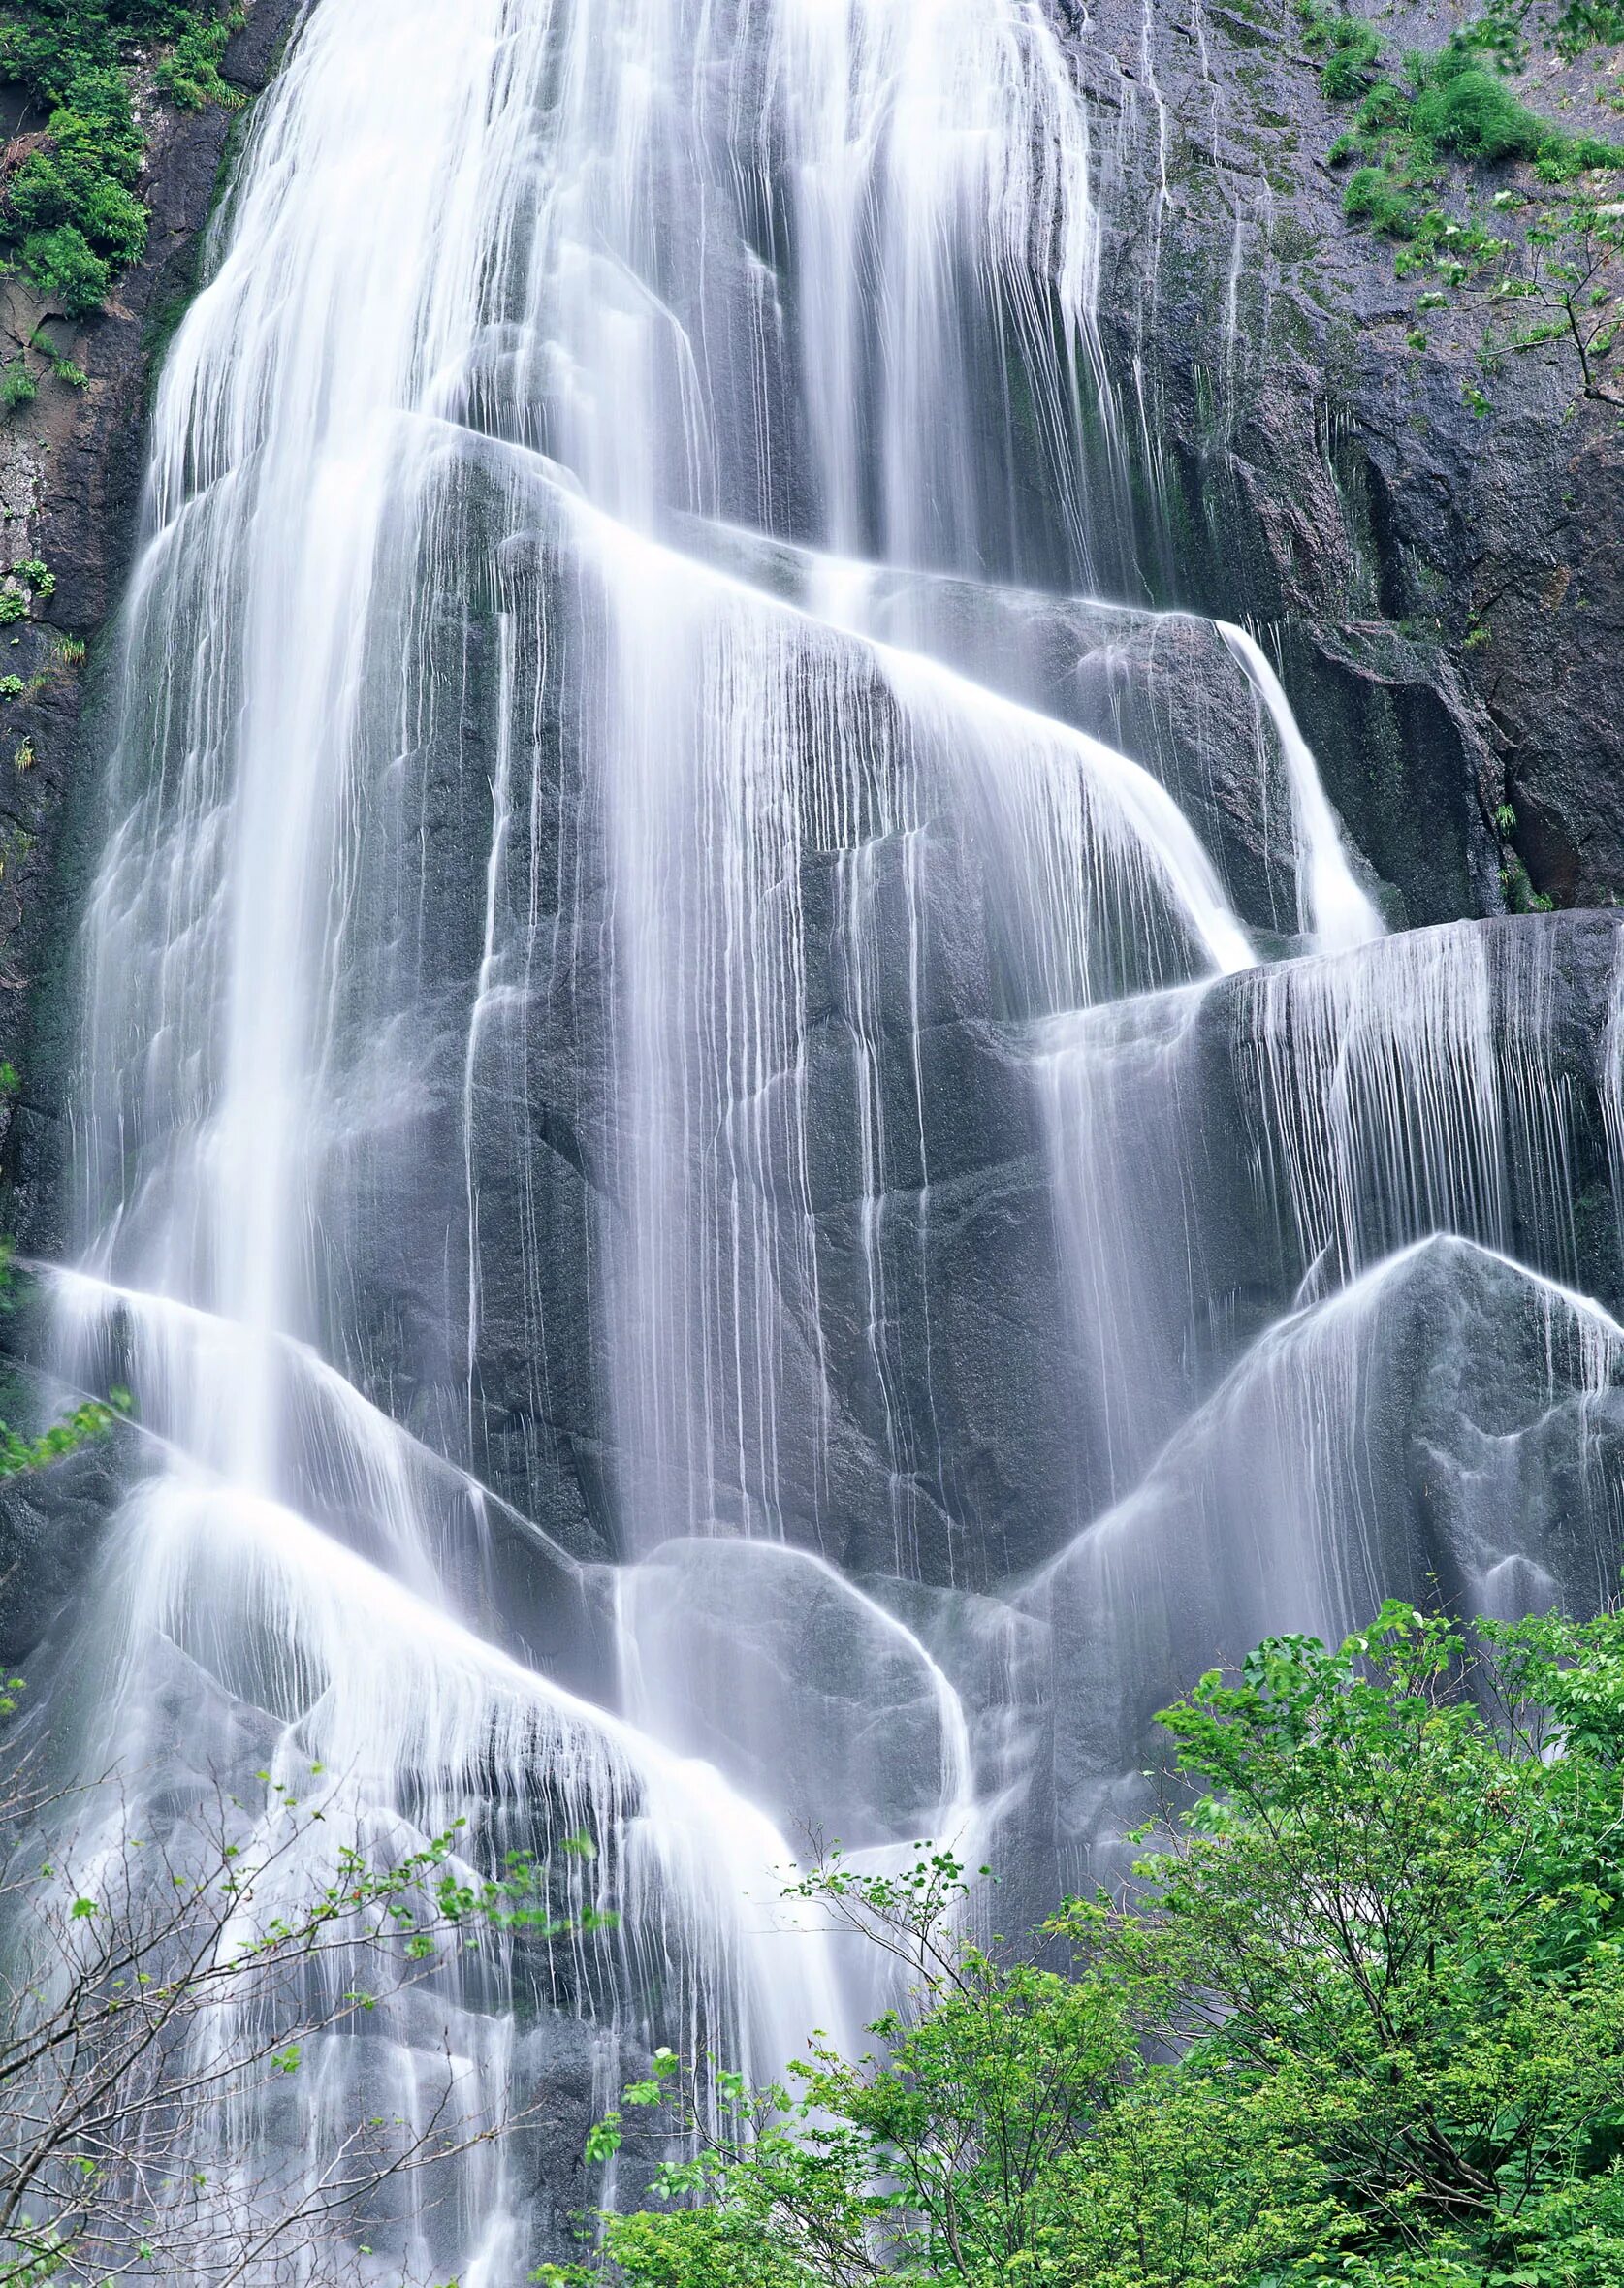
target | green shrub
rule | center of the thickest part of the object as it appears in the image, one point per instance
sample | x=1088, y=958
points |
x=1386, y=108
x=17, y=386
x=190, y=74
x=71, y=216
x=1355, y=49
x=1374, y=196
x=1468, y=111
x=65, y=269
x=48, y=192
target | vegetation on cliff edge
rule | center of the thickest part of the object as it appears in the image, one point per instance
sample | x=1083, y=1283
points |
x=1433, y=131
x=71, y=215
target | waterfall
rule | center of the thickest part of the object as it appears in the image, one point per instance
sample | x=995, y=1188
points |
x=760, y=1167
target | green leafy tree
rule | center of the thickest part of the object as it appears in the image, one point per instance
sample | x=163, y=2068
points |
x=148, y=1989
x=118, y=1951
x=1359, y=2016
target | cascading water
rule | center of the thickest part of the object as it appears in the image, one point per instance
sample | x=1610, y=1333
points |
x=717, y=1237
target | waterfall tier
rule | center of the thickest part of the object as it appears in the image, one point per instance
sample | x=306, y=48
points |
x=760, y=1170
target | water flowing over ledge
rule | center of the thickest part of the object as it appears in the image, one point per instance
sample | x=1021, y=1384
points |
x=759, y=1167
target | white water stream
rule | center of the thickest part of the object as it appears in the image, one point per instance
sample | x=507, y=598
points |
x=554, y=861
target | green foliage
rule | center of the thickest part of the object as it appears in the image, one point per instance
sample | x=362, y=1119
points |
x=64, y=267
x=190, y=74
x=1346, y=45
x=31, y=576
x=71, y=216
x=17, y=386
x=1362, y=2020
x=1354, y=49
x=1508, y=27
x=1374, y=197
x=1434, y=114
x=1449, y=103
x=92, y=1419
x=1462, y=109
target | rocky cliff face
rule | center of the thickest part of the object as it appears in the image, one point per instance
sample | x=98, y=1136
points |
x=1079, y=1319
x=1439, y=586
x=1440, y=589
x=70, y=484
x=1442, y=585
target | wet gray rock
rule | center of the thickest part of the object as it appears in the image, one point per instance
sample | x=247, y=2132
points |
x=809, y=1699
x=1446, y=1431
x=1441, y=589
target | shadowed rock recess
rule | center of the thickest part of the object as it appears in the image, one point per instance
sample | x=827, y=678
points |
x=768, y=1004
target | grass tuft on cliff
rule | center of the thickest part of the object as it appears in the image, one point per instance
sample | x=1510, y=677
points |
x=1453, y=104
x=71, y=216
x=1541, y=251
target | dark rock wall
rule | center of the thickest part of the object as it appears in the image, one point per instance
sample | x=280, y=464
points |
x=1443, y=587
x=1440, y=588
x=70, y=470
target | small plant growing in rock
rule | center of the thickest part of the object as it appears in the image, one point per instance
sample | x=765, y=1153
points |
x=1573, y=291
x=30, y=577
x=17, y=386
x=1553, y=276
x=63, y=367
x=190, y=74
x=1347, y=47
